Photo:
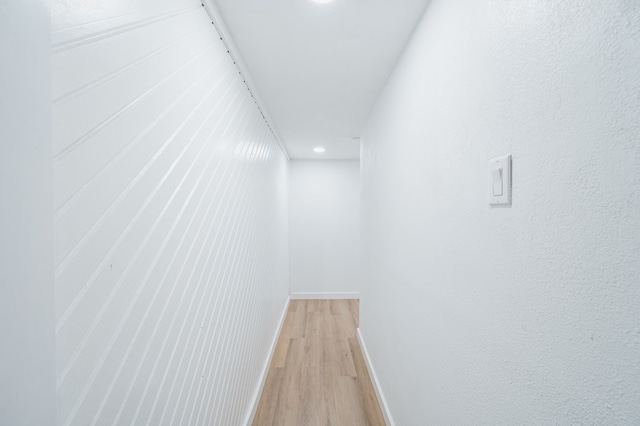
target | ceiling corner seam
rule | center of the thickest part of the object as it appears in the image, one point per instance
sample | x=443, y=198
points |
x=225, y=37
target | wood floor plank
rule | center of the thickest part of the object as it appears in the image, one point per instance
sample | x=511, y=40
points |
x=288, y=394
x=317, y=375
x=267, y=406
x=344, y=359
x=346, y=412
x=311, y=407
x=342, y=326
x=313, y=305
x=300, y=319
x=368, y=394
x=282, y=347
x=354, y=306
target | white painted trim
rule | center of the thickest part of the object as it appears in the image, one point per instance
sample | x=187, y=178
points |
x=328, y=295
x=376, y=385
x=265, y=370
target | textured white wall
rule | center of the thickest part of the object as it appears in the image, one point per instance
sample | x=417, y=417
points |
x=170, y=219
x=325, y=226
x=527, y=315
x=27, y=379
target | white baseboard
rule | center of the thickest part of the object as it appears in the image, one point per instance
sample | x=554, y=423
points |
x=265, y=370
x=376, y=385
x=327, y=295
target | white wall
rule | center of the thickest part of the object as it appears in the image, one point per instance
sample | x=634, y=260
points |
x=324, y=227
x=27, y=380
x=170, y=219
x=527, y=315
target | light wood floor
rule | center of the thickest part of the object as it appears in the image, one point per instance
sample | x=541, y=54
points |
x=318, y=375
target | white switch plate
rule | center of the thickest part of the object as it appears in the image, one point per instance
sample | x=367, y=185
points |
x=500, y=181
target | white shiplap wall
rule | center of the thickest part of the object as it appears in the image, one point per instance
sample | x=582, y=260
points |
x=170, y=218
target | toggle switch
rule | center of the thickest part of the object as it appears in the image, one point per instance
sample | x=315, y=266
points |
x=497, y=181
x=500, y=181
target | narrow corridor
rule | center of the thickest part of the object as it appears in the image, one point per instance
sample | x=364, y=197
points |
x=318, y=375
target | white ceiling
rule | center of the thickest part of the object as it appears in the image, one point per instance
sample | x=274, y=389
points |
x=320, y=67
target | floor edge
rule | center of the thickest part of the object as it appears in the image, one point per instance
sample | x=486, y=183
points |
x=265, y=370
x=374, y=379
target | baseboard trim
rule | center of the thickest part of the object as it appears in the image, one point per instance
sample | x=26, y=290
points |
x=327, y=295
x=265, y=370
x=376, y=385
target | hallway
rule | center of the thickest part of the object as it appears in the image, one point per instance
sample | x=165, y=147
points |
x=422, y=212
x=318, y=374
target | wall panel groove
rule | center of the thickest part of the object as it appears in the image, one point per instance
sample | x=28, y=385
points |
x=137, y=55
x=113, y=30
x=87, y=237
x=170, y=219
x=118, y=96
x=130, y=262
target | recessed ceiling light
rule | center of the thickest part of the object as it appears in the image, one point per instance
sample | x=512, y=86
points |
x=322, y=1
x=318, y=150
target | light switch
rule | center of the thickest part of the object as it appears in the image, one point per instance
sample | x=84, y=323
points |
x=497, y=181
x=500, y=181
